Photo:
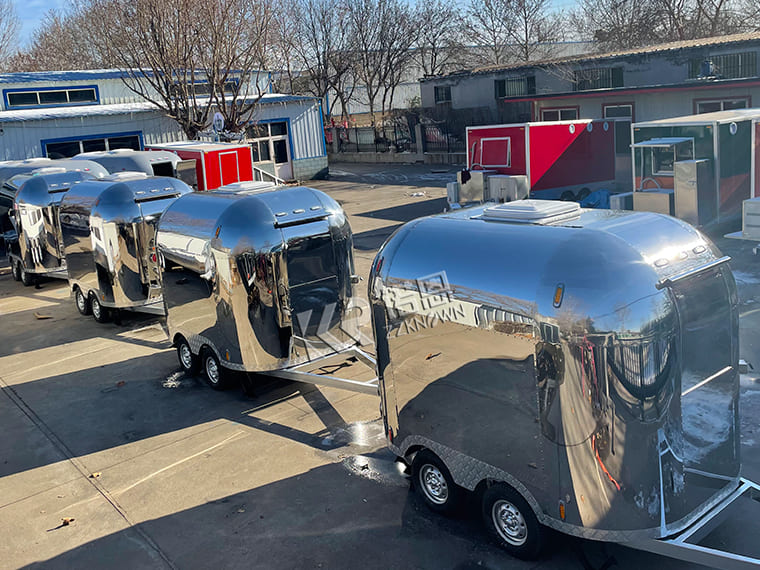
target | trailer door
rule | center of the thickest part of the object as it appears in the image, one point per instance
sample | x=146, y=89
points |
x=708, y=320
x=314, y=281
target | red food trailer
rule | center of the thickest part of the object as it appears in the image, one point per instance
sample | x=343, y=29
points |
x=217, y=164
x=556, y=156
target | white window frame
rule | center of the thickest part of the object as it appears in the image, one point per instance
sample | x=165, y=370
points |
x=509, y=152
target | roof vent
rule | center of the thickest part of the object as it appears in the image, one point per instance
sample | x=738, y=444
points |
x=121, y=151
x=125, y=176
x=49, y=170
x=533, y=212
x=247, y=187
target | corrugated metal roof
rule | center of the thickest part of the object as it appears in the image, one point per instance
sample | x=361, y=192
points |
x=704, y=118
x=60, y=76
x=648, y=50
x=271, y=98
x=77, y=111
x=116, y=109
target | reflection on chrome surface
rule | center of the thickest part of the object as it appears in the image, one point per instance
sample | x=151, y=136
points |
x=559, y=358
x=264, y=279
x=109, y=235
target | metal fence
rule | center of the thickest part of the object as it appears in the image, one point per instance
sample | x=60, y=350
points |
x=376, y=139
x=443, y=138
x=440, y=137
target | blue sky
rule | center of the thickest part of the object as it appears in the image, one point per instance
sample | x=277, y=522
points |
x=31, y=13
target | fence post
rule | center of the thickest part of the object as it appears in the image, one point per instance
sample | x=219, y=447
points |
x=335, y=140
x=419, y=137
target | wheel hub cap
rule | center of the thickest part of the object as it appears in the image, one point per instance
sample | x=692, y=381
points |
x=80, y=300
x=96, y=308
x=211, y=370
x=434, y=484
x=186, y=356
x=510, y=523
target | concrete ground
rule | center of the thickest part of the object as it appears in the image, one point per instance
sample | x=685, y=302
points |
x=156, y=470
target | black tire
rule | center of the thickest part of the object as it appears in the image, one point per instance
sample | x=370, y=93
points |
x=100, y=313
x=583, y=193
x=213, y=372
x=82, y=302
x=15, y=270
x=189, y=362
x=512, y=522
x=432, y=479
x=26, y=278
x=567, y=196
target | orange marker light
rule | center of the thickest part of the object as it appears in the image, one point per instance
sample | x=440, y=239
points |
x=559, y=292
x=562, y=510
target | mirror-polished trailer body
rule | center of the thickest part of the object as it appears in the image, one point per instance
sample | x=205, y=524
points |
x=261, y=279
x=588, y=359
x=151, y=162
x=38, y=246
x=109, y=229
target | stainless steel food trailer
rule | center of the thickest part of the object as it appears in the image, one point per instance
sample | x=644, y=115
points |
x=37, y=249
x=576, y=368
x=11, y=168
x=259, y=280
x=151, y=162
x=108, y=228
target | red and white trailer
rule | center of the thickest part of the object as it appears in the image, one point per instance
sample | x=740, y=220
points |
x=217, y=164
x=556, y=156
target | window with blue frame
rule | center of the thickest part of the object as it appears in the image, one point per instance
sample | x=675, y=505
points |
x=49, y=97
x=71, y=147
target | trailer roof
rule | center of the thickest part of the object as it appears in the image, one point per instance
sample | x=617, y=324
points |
x=705, y=118
x=197, y=146
x=662, y=142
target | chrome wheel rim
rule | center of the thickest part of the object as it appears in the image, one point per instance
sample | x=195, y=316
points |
x=80, y=301
x=95, y=308
x=434, y=484
x=185, y=356
x=509, y=522
x=212, y=370
x=16, y=271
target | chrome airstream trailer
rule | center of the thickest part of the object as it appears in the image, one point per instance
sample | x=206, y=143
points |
x=109, y=230
x=577, y=369
x=258, y=280
x=37, y=249
x=151, y=162
x=11, y=168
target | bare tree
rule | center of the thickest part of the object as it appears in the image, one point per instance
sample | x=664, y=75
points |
x=488, y=25
x=384, y=35
x=536, y=29
x=617, y=24
x=187, y=57
x=439, y=47
x=9, y=28
x=515, y=30
x=59, y=43
x=322, y=45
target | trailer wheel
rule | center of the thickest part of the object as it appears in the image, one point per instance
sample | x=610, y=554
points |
x=82, y=302
x=215, y=375
x=99, y=312
x=188, y=361
x=26, y=278
x=512, y=522
x=16, y=270
x=433, y=479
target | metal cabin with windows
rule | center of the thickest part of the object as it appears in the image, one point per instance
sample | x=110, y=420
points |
x=257, y=279
x=65, y=113
x=567, y=400
x=108, y=227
